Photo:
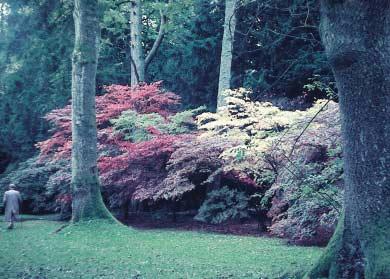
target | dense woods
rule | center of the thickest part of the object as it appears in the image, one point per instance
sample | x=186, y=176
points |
x=268, y=115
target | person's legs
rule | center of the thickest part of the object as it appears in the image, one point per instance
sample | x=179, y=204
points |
x=11, y=223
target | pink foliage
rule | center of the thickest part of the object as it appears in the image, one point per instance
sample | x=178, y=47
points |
x=163, y=168
x=141, y=167
x=146, y=98
x=125, y=168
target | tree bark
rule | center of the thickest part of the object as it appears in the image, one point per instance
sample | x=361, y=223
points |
x=225, y=67
x=136, y=49
x=157, y=42
x=356, y=36
x=139, y=63
x=87, y=201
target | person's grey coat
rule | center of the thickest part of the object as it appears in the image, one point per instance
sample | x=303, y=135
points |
x=11, y=201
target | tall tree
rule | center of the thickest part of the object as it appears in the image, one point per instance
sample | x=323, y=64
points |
x=139, y=63
x=87, y=201
x=356, y=36
x=225, y=68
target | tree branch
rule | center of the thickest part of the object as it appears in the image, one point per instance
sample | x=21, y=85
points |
x=135, y=68
x=123, y=2
x=157, y=42
x=307, y=126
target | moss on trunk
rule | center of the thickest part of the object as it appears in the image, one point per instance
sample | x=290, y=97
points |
x=327, y=266
x=87, y=201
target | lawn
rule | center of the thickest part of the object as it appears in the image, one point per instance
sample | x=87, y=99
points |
x=102, y=250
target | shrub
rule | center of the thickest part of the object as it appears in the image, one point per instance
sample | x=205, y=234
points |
x=40, y=184
x=195, y=163
x=138, y=130
x=222, y=205
x=183, y=122
x=145, y=99
x=300, y=174
x=252, y=156
x=138, y=127
x=314, y=203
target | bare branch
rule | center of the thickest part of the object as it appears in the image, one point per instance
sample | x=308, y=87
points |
x=135, y=68
x=307, y=126
x=157, y=42
x=123, y=2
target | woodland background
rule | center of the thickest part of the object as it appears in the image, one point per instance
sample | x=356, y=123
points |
x=170, y=155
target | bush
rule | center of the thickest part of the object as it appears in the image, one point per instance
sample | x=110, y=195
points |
x=41, y=185
x=194, y=164
x=152, y=155
x=299, y=175
x=222, y=205
x=138, y=130
x=314, y=203
x=137, y=127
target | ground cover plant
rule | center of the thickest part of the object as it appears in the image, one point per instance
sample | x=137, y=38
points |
x=33, y=251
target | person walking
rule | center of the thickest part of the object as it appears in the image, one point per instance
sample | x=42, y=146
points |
x=12, y=202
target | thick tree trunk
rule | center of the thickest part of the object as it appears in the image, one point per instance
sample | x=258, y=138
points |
x=87, y=200
x=136, y=53
x=225, y=67
x=356, y=35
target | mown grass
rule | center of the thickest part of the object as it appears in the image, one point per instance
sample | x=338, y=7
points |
x=101, y=250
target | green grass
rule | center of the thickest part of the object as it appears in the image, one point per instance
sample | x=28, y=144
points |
x=100, y=250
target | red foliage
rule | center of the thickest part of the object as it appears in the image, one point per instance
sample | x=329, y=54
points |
x=146, y=98
x=125, y=168
x=139, y=171
x=164, y=167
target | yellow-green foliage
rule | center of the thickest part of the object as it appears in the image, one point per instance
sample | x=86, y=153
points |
x=267, y=134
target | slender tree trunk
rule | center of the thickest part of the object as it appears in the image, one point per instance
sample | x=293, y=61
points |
x=356, y=35
x=225, y=67
x=87, y=200
x=136, y=53
x=139, y=63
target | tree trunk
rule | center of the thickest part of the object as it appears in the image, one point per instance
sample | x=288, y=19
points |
x=136, y=53
x=87, y=200
x=225, y=67
x=356, y=35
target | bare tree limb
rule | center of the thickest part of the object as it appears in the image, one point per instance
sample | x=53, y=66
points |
x=157, y=42
x=123, y=2
x=135, y=68
x=307, y=126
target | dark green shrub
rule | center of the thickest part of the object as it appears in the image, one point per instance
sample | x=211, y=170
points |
x=43, y=186
x=222, y=205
